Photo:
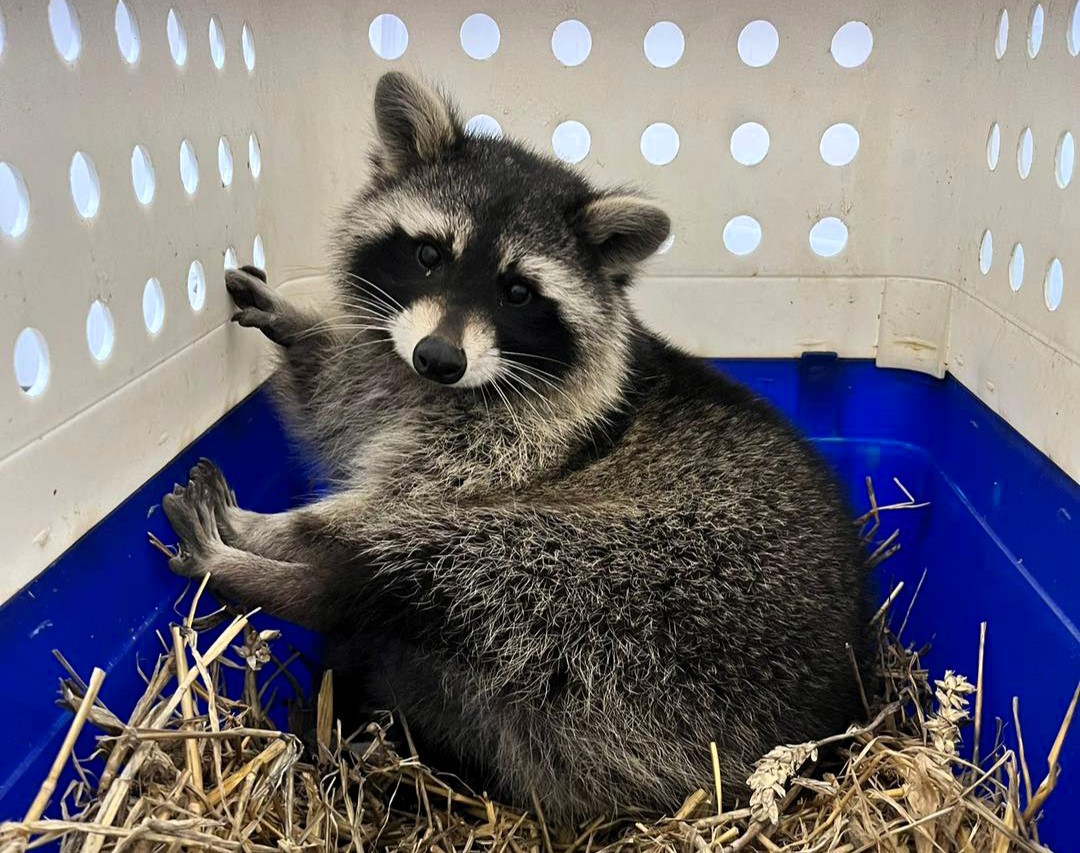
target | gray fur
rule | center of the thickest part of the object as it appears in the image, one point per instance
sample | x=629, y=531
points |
x=572, y=588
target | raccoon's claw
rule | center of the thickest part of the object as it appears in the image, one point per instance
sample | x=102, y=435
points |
x=190, y=510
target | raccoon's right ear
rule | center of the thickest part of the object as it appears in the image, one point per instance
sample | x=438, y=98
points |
x=415, y=124
x=624, y=230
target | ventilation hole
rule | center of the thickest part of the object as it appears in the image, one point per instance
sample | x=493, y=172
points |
x=1072, y=34
x=153, y=306
x=986, y=252
x=571, y=43
x=14, y=201
x=1001, y=42
x=31, y=360
x=258, y=253
x=664, y=44
x=64, y=24
x=483, y=125
x=852, y=44
x=1054, y=285
x=247, y=46
x=828, y=237
x=758, y=43
x=1035, y=30
x=665, y=247
x=225, y=161
x=1025, y=151
x=127, y=33
x=388, y=36
x=749, y=143
x=1064, y=160
x=742, y=235
x=571, y=141
x=479, y=36
x=993, y=146
x=196, y=285
x=254, y=155
x=230, y=259
x=100, y=332
x=85, y=185
x=1016, y=267
x=659, y=143
x=177, y=38
x=217, y=43
x=839, y=144
x=189, y=167
x=142, y=175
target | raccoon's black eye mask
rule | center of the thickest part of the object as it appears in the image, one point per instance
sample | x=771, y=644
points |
x=514, y=289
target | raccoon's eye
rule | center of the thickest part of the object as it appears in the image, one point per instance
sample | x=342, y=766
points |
x=429, y=256
x=518, y=293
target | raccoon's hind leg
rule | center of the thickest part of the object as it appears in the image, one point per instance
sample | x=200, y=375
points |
x=260, y=307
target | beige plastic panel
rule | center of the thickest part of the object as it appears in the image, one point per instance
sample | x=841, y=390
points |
x=905, y=289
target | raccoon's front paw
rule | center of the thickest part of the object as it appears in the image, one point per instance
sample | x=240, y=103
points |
x=259, y=307
x=191, y=512
x=222, y=499
x=210, y=478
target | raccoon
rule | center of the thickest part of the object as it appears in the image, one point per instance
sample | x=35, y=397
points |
x=570, y=554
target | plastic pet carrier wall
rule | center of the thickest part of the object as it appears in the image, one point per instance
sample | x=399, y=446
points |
x=876, y=225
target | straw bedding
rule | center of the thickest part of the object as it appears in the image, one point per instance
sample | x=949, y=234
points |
x=197, y=765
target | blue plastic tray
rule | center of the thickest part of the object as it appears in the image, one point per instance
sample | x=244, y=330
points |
x=1000, y=542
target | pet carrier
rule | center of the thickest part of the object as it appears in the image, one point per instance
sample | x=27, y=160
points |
x=875, y=225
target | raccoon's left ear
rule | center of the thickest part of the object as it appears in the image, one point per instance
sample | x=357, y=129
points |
x=623, y=229
x=415, y=124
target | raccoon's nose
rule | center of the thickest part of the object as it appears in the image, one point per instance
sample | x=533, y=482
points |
x=437, y=360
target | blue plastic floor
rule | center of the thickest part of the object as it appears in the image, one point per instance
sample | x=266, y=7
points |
x=999, y=543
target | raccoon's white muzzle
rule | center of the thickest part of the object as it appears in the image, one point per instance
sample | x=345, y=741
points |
x=424, y=339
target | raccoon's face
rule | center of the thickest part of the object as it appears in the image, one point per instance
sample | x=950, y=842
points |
x=466, y=307
x=483, y=263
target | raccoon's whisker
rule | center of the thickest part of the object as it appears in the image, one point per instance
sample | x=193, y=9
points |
x=368, y=301
x=519, y=381
x=320, y=328
x=506, y=403
x=369, y=321
x=353, y=345
x=331, y=324
x=378, y=309
x=370, y=297
x=541, y=376
x=363, y=295
x=537, y=371
x=388, y=302
x=526, y=374
x=513, y=382
x=542, y=406
x=533, y=355
x=368, y=283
